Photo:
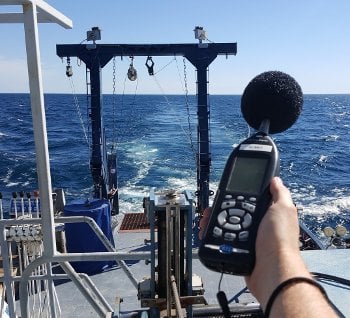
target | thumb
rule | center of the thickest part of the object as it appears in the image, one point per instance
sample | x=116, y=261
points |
x=279, y=192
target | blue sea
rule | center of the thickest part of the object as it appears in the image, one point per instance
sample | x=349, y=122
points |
x=155, y=138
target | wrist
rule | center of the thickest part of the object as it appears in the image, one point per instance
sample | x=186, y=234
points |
x=283, y=287
x=273, y=269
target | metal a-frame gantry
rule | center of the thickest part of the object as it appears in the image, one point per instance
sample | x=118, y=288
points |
x=96, y=56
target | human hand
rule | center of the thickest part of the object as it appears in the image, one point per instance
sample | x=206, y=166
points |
x=278, y=259
x=277, y=243
x=279, y=228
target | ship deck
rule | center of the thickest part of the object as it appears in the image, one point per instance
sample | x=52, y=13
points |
x=115, y=285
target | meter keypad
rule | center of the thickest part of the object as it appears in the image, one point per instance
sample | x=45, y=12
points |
x=228, y=204
x=217, y=232
x=235, y=218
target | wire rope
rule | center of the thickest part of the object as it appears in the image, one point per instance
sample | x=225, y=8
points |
x=194, y=151
x=187, y=134
x=133, y=103
x=165, y=66
x=77, y=107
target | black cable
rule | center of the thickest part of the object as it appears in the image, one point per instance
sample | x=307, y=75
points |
x=332, y=278
x=337, y=279
x=222, y=299
x=287, y=283
x=219, y=287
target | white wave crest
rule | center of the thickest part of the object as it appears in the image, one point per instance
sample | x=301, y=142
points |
x=323, y=158
x=180, y=184
x=337, y=201
x=142, y=156
x=6, y=178
x=329, y=205
x=330, y=137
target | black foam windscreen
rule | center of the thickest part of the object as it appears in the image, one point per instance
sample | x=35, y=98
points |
x=272, y=95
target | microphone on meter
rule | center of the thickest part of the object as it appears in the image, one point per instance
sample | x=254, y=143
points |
x=270, y=103
x=273, y=96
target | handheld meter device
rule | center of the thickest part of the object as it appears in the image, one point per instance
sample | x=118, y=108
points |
x=240, y=203
x=270, y=103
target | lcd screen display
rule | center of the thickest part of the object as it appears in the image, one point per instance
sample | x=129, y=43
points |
x=247, y=175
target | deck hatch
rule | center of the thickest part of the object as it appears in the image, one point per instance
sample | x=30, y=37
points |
x=134, y=222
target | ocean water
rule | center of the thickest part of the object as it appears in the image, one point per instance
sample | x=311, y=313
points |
x=155, y=137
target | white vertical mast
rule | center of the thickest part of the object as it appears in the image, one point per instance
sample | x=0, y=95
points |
x=39, y=126
x=35, y=11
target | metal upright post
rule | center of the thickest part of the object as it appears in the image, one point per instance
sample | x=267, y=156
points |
x=39, y=126
x=40, y=136
x=98, y=156
x=34, y=12
x=201, y=61
x=204, y=155
x=169, y=250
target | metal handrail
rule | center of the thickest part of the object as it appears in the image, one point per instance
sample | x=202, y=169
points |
x=63, y=260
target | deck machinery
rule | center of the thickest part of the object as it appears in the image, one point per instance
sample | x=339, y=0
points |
x=171, y=215
x=97, y=56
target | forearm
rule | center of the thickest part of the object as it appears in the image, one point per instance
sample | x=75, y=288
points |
x=278, y=260
x=301, y=300
x=296, y=300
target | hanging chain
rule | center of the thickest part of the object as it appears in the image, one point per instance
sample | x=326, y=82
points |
x=88, y=104
x=168, y=102
x=209, y=106
x=114, y=106
x=76, y=102
x=130, y=126
x=188, y=112
x=79, y=112
x=189, y=132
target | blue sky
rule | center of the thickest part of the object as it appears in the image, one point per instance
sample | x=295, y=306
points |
x=309, y=39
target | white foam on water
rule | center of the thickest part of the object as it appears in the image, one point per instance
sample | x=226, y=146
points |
x=7, y=177
x=131, y=198
x=323, y=158
x=328, y=205
x=336, y=201
x=182, y=184
x=12, y=184
x=330, y=137
x=142, y=156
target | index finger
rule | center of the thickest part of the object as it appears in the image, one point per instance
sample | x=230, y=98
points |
x=279, y=192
